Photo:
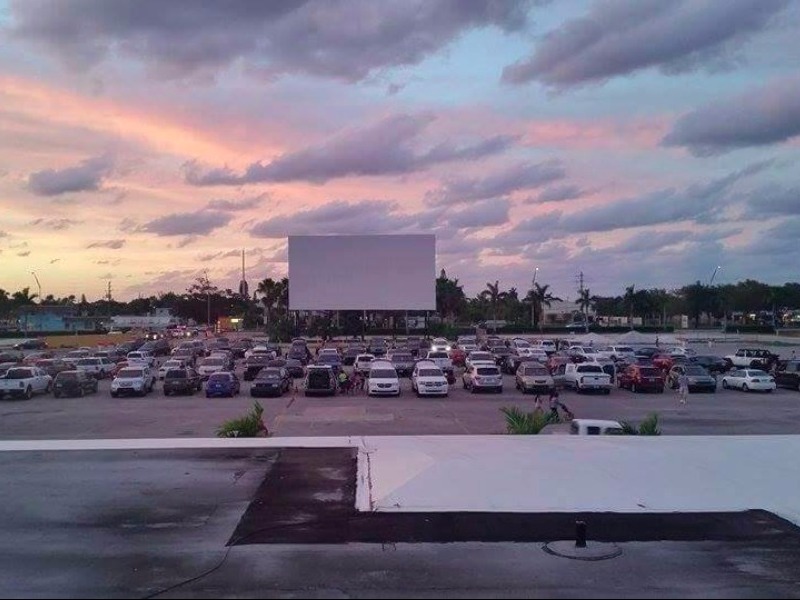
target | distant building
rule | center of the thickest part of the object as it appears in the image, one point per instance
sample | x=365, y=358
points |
x=564, y=313
x=56, y=318
x=160, y=318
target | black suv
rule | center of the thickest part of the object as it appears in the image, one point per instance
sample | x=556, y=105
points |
x=73, y=383
x=787, y=374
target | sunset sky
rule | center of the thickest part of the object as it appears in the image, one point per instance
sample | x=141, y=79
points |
x=639, y=141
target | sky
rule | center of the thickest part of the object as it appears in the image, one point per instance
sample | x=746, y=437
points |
x=641, y=142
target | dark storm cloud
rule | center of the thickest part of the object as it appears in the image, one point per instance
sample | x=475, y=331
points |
x=111, y=244
x=623, y=36
x=200, y=222
x=86, y=176
x=384, y=148
x=558, y=193
x=773, y=200
x=235, y=205
x=367, y=216
x=180, y=38
x=768, y=115
x=483, y=214
x=510, y=179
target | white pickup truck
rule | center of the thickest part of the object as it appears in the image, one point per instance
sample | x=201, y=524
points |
x=583, y=377
x=24, y=382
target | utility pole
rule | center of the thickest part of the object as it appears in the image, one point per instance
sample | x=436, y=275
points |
x=208, y=300
x=108, y=291
x=533, y=289
x=583, y=307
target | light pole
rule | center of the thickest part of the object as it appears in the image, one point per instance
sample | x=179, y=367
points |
x=38, y=284
x=208, y=301
x=533, y=304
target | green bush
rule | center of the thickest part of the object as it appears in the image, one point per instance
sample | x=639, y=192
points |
x=628, y=429
x=251, y=425
x=522, y=423
x=650, y=425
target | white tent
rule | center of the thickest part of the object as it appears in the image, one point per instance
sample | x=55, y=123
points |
x=634, y=337
x=594, y=339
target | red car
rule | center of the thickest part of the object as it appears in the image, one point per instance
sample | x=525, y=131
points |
x=640, y=378
x=458, y=357
x=663, y=362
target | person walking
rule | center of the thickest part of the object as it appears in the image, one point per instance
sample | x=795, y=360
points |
x=683, y=388
x=554, y=403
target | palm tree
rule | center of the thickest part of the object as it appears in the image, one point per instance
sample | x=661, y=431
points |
x=274, y=296
x=493, y=294
x=629, y=300
x=586, y=301
x=23, y=297
x=539, y=297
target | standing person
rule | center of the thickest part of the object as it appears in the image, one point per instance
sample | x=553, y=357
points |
x=683, y=387
x=554, y=404
x=537, y=403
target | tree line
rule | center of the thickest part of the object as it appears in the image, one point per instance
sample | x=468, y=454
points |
x=269, y=305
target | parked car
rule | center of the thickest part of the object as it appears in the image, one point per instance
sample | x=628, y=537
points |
x=222, y=383
x=586, y=377
x=320, y=381
x=254, y=364
x=24, y=382
x=334, y=361
x=749, y=380
x=209, y=366
x=754, y=358
x=53, y=366
x=96, y=367
x=440, y=345
x=377, y=346
x=427, y=379
x=533, y=377
x=382, y=379
x=135, y=379
x=787, y=374
x=403, y=363
x=187, y=355
x=31, y=344
x=271, y=381
x=584, y=427
x=500, y=353
x=712, y=364
x=169, y=365
x=73, y=383
x=479, y=356
x=548, y=346
x=140, y=357
x=647, y=352
x=362, y=363
x=295, y=368
x=698, y=378
x=641, y=378
x=458, y=357
x=351, y=353
x=73, y=356
x=482, y=376
x=184, y=380
x=616, y=353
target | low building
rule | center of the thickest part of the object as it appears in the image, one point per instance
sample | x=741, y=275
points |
x=58, y=319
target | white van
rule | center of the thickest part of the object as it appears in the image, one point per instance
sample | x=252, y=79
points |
x=584, y=427
x=383, y=379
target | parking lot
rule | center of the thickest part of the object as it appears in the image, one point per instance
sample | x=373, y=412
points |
x=99, y=415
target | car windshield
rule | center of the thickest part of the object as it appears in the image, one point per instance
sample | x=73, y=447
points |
x=86, y=362
x=219, y=378
x=757, y=373
x=488, y=371
x=171, y=364
x=649, y=372
x=402, y=358
x=176, y=374
x=383, y=374
x=536, y=372
x=67, y=376
x=589, y=369
x=430, y=373
x=18, y=374
x=480, y=356
x=213, y=362
x=696, y=371
x=269, y=374
x=329, y=359
x=130, y=373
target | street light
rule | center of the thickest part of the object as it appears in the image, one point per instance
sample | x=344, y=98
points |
x=533, y=288
x=208, y=300
x=38, y=284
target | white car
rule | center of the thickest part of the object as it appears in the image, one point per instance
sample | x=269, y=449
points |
x=137, y=357
x=537, y=353
x=440, y=345
x=582, y=377
x=584, y=427
x=618, y=353
x=482, y=377
x=209, y=366
x=479, y=356
x=441, y=359
x=428, y=380
x=467, y=343
x=520, y=344
x=549, y=346
x=261, y=350
x=681, y=351
x=383, y=379
x=74, y=356
x=363, y=362
x=24, y=382
x=749, y=379
x=137, y=380
x=586, y=352
x=170, y=365
x=96, y=367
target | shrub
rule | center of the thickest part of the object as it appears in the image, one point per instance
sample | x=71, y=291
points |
x=522, y=423
x=251, y=425
x=628, y=429
x=650, y=425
